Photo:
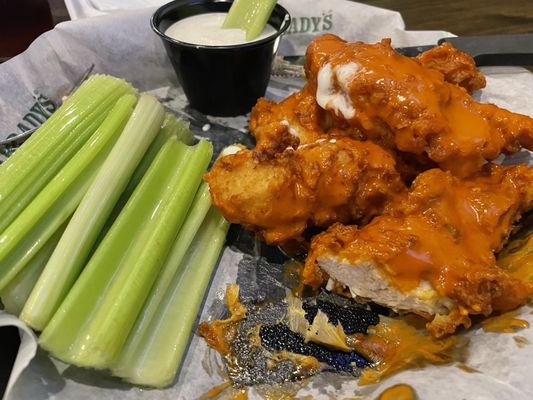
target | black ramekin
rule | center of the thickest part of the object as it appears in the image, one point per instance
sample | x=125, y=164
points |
x=219, y=80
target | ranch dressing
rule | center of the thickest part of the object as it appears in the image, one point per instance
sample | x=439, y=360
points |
x=206, y=29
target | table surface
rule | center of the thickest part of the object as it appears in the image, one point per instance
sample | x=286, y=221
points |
x=473, y=17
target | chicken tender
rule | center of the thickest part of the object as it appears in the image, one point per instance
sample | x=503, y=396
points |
x=336, y=180
x=433, y=252
x=277, y=126
x=456, y=66
x=297, y=120
x=387, y=95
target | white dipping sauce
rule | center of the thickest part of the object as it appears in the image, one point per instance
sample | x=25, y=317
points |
x=206, y=29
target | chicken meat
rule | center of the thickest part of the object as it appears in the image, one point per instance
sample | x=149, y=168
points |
x=433, y=252
x=395, y=99
x=316, y=185
x=457, y=67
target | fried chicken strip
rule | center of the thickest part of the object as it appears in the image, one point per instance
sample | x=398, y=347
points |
x=297, y=120
x=432, y=253
x=391, y=97
x=336, y=180
x=457, y=67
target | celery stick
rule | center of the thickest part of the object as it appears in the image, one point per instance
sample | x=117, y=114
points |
x=126, y=364
x=38, y=160
x=91, y=287
x=74, y=246
x=249, y=15
x=92, y=324
x=161, y=348
x=58, y=200
x=15, y=295
x=172, y=127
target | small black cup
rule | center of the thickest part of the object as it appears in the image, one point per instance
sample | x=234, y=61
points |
x=219, y=80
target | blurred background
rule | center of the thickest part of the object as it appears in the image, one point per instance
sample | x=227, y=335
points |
x=22, y=21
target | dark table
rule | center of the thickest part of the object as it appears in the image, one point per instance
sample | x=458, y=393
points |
x=473, y=17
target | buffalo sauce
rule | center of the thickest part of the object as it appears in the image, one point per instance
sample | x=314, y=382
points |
x=371, y=85
x=398, y=392
x=521, y=341
x=466, y=368
x=215, y=391
x=444, y=232
x=394, y=345
x=504, y=323
x=225, y=389
x=517, y=258
x=452, y=235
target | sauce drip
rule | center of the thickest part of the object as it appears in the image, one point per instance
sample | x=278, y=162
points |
x=466, y=368
x=213, y=393
x=517, y=257
x=394, y=345
x=505, y=323
x=292, y=270
x=398, y=392
x=521, y=341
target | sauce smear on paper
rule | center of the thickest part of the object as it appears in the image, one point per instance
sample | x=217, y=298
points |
x=505, y=323
x=521, y=341
x=227, y=391
x=466, y=368
x=398, y=392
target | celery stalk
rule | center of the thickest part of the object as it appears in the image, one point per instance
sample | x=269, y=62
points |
x=91, y=287
x=172, y=127
x=128, y=363
x=249, y=15
x=58, y=200
x=38, y=160
x=82, y=231
x=15, y=295
x=161, y=349
x=93, y=322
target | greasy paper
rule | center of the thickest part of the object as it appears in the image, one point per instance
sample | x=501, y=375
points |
x=123, y=44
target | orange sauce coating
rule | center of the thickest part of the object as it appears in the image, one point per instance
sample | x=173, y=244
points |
x=336, y=180
x=423, y=111
x=445, y=232
x=517, y=258
x=460, y=231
